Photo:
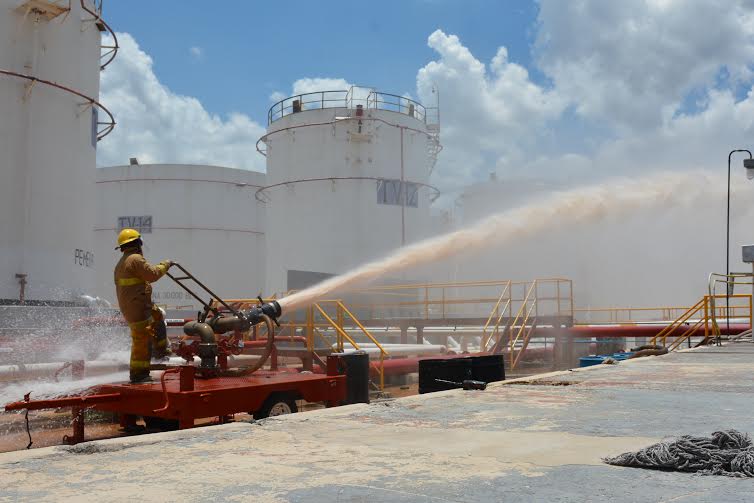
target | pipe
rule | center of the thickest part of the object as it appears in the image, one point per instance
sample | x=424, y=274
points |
x=269, y=348
x=375, y=352
x=400, y=349
x=628, y=330
x=207, y=347
x=91, y=367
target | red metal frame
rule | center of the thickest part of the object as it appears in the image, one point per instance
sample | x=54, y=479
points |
x=182, y=397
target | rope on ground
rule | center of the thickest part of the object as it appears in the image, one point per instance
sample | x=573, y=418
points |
x=729, y=453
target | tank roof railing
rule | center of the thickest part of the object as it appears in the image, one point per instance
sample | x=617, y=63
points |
x=369, y=99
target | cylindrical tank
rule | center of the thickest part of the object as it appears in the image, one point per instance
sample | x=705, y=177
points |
x=48, y=139
x=347, y=181
x=204, y=217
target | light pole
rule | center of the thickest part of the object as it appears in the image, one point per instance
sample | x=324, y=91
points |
x=749, y=165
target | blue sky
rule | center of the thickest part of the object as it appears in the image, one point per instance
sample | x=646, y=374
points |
x=252, y=49
x=567, y=90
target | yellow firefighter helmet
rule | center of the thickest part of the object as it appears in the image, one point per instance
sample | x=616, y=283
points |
x=126, y=236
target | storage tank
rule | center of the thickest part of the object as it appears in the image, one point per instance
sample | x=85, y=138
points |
x=50, y=123
x=204, y=217
x=347, y=181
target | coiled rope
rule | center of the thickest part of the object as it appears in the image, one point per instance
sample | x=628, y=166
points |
x=729, y=453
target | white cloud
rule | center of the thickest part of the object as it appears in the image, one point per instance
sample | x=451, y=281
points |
x=196, y=52
x=490, y=112
x=319, y=85
x=627, y=69
x=624, y=76
x=277, y=96
x=312, y=85
x=155, y=124
x=631, y=63
x=686, y=142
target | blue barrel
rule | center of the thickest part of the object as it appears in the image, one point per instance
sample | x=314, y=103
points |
x=588, y=361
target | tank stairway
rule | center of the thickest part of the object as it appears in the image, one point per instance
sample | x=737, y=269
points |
x=700, y=323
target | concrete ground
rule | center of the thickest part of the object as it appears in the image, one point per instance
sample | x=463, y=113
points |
x=539, y=439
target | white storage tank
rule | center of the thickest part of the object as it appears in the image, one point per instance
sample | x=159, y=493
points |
x=49, y=82
x=204, y=217
x=347, y=181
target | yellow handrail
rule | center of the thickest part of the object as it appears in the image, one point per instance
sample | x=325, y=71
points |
x=708, y=319
x=686, y=335
x=383, y=352
x=527, y=337
x=680, y=320
x=452, y=300
x=514, y=323
x=338, y=329
x=362, y=327
x=485, y=339
x=338, y=326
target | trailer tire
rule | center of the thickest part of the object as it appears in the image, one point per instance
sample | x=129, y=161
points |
x=277, y=404
x=160, y=423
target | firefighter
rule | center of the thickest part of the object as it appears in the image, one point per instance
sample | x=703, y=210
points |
x=133, y=275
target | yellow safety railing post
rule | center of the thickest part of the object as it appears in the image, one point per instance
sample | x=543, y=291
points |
x=310, y=328
x=522, y=311
x=528, y=333
x=339, y=321
x=382, y=371
x=557, y=294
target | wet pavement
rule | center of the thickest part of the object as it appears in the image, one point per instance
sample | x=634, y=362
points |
x=539, y=438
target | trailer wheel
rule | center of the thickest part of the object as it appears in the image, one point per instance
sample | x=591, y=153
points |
x=160, y=423
x=277, y=404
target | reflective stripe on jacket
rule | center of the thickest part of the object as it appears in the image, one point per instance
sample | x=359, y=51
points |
x=133, y=275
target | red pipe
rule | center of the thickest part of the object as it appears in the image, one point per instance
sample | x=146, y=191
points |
x=633, y=330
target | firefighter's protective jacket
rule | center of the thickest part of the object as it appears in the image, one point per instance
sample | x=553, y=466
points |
x=133, y=275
